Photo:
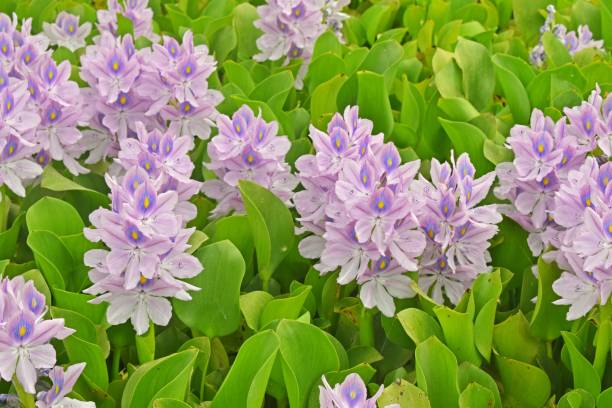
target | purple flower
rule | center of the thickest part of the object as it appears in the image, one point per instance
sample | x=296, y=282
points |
x=350, y=393
x=62, y=383
x=135, y=10
x=247, y=148
x=66, y=32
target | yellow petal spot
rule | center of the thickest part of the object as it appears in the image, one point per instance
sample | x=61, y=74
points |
x=154, y=146
x=9, y=105
x=443, y=264
x=587, y=125
x=445, y=209
x=27, y=58
x=338, y=143
x=381, y=204
x=135, y=185
x=363, y=151
x=167, y=148
x=364, y=179
x=146, y=202
x=4, y=48
x=297, y=12
x=295, y=52
x=188, y=69
x=606, y=180
x=31, y=89
x=610, y=228
x=187, y=107
x=41, y=159
x=135, y=235
x=353, y=393
x=462, y=231
x=147, y=166
x=564, y=160
x=469, y=195
x=430, y=233
x=1, y=81
x=381, y=265
x=22, y=331
x=237, y=128
x=122, y=100
x=50, y=75
x=142, y=279
x=250, y=158
x=545, y=181
x=172, y=50
x=57, y=389
x=71, y=28
x=33, y=303
x=540, y=148
x=115, y=66
x=550, y=218
x=587, y=202
x=52, y=115
x=389, y=162
x=260, y=135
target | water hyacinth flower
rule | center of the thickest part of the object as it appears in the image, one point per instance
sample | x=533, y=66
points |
x=247, y=148
x=457, y=228
x=24, y=333
x=66, y=31
x=358, y=204
x=62, y=382
x=290, y=29
x=574, y=41
x=136, y=10
x=144, y=231
x=350, y=393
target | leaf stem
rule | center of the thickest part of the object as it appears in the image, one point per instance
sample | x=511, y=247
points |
x=26, y=400
x=116, y=363
x=366, y=327
x=145, y=345
x=602, y=345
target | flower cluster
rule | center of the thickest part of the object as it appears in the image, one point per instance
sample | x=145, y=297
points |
x=145, y=231
x=458, y=230
x=66, y=32
x=562, y=197
x=41, y=107
x=25, y=336
x=291, y=28
x=351, y=393
x=136, y=10
x=357, y=202
x=572, y=40
x=247, y=148
x=163, y=87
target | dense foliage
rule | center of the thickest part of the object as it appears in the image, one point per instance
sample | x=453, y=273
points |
x=298, y=203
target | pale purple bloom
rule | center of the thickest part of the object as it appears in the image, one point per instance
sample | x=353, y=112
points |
x=62, y=383
x=24, y=334
x=66, y=31
x=136, y=10
x=351, y=393
x=247, y=148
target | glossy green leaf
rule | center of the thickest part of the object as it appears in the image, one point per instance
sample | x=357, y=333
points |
x=577, y=398
x=373, y=101
x=459, y=333
x=468, y=374
x=524, y=385
x=8, y=238
x=167, y=377
x=436, y=373
x=246, y=382
x=476, y=396
x=478, y=74
x=548, y=319
x=585, y=376
x=467, y=138
x=405, y=394
x=56, y=216
x=252, y=305
x=515, y=93
x=556, y=53
x=284, y=307
x=512, y=338
x=419, y=325
x=271, y=226
x=214, y=309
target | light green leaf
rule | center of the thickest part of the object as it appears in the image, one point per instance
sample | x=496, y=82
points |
x=436, y=373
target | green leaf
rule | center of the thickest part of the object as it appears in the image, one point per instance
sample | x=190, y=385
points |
x=8, y=238
x=169, y=403
x=524, y=385
x=436, y=373
x=323, y=100
x=373, y=101
x=511, y=338
x=284, y=307
x=378, y=18
x=57, y=216
x=548, y=319
x=483, y=328
x=244, y=16
x=556, y=53
x=246, y=382
x=578, y=398
x=405, y=394
x=214, y=310
x=419, y=325
x=527, y=16
x=252, y=305
x=585, y=375
x=458, y=109
x=167, y=377
x=459, y=333
x=514, y=91
x=204, y=348
x=476, y=396
x=52, y=257
x=145, y=345
x=125, y=25
x=605, y=399
x=271, y=226
x=239, y=75
x=468, y=374
x=478, y=74
x=467, y=138
x=307, y=354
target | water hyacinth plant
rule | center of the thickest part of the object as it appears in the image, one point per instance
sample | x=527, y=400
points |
x=305, y=203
